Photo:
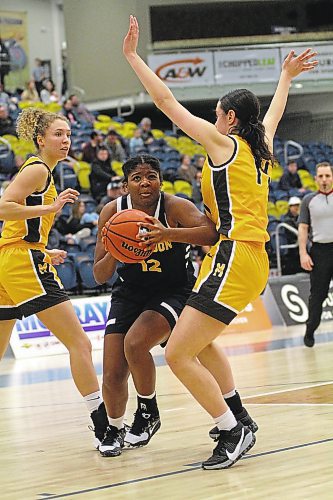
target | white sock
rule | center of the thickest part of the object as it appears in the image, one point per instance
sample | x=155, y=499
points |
x=93, y=400
x=151, y=396
x=117, y=422
x=230, y=394
x=226, y=422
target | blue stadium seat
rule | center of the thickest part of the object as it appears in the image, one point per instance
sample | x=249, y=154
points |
x=85, y=269
x=67, y=273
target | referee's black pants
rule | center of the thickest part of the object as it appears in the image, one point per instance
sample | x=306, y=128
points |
x=320, y=278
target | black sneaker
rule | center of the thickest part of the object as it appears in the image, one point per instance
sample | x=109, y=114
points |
x=113, y=442
x=231, y=447
x=242, y=417
x=100, y=421
x=144, y=426
x=309, y=340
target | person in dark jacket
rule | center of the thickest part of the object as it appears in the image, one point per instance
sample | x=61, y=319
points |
x=101, y=173
x=290, y=179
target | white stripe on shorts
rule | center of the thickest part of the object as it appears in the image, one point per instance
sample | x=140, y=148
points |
x=111, y=321
x=170, y=309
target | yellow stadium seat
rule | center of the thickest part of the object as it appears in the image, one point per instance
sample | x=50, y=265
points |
x=104, y=118
x=158, y=134
x=304, y=175
x=168, y=187
x=272, y=210
x=12, y=139
x=117, y=166
x=183, y=187
x=282, y=206
x=277, y=171
x=82, y=170
x=54, y=107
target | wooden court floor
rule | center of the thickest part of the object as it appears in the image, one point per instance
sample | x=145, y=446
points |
x=46, y=447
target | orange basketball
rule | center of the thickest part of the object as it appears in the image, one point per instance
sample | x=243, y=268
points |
x=119, y=236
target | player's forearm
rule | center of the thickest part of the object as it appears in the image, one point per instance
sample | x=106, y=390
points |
x=302, y=239
x=10, y=210
x=157, y=90
x=279, y=101
x=104, y=269
x=194, y=235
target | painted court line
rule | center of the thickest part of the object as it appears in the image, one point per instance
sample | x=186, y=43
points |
x=191, y=468
x=292, y=389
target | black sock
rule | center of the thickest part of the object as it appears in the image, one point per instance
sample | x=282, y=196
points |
x=148, y=405
x=235, y=403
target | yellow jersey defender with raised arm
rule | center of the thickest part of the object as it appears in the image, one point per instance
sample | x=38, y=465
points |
x=26, y=273
x=237, y=194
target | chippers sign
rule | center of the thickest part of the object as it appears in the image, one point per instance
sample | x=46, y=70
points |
x=184, y=70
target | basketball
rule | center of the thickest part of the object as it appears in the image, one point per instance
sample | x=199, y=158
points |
x=119, y=236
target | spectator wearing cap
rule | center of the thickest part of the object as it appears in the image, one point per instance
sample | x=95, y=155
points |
x=290, y=179
x=291, y=217
x=116, y=150
x=113, y=190
x=101, y=173
x=89, y=150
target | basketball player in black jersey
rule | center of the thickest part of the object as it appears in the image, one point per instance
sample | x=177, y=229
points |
x=147, y=299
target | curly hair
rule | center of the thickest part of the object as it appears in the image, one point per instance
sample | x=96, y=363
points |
x=32, y=122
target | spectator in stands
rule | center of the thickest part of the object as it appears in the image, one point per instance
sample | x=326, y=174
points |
x=80, y=110
x=116, y=150
x=89, y=150
x=101, y=173
x=316, y=219
x=136, y=142
x=72, y=228
x=290, y=179
x=7, y=125
x=290, y=261
x=199, y=161
x=48, y=93
x=67, y=111
x=186, y=170
x=196, y=190
x=30, y=93
x=39, y=74
x=113, y=190
x=146, y=133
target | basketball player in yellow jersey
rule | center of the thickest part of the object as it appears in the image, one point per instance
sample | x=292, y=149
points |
x=28, y=281
x=235, y=192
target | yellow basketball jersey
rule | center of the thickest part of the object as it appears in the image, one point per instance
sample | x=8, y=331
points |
x=235, y=194
x=34, y=230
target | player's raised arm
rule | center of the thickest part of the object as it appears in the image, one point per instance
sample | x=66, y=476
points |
x=200, y=130
x=291, y=67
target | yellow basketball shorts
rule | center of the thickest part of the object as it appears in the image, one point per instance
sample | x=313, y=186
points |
x=233, y=274
x=28, y=283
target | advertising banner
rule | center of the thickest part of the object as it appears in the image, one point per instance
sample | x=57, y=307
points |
x=291, y=294
x=324, y=70
x=187, y=69
x=253, y=318
x=31, y=338
x=253, y=65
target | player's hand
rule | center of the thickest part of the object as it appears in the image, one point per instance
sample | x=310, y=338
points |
x=306, y=262
x=57, y=256
x=151, y=232
x=294, y=65
x=68, y=196
x=131, y=39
